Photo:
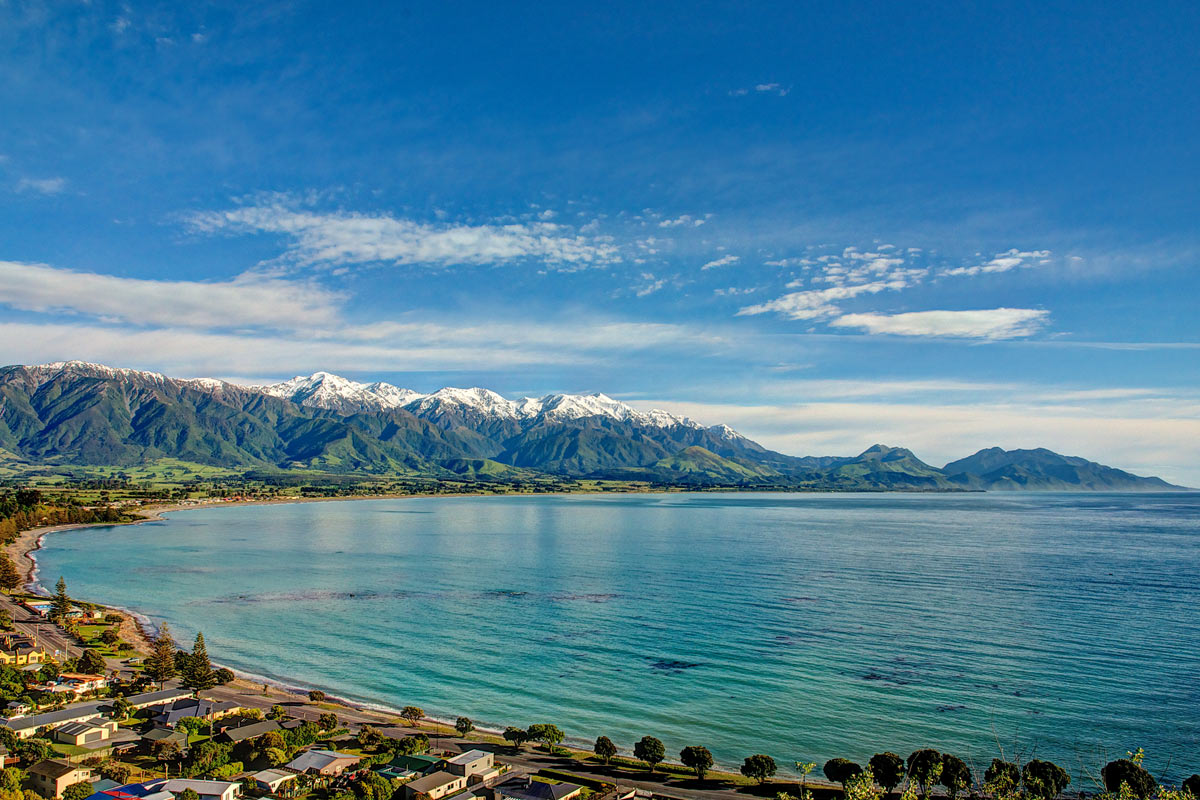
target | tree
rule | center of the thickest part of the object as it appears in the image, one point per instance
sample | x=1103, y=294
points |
x=224, y=675
x=110, y=636
x=804, y=769
x=841, y=770
x=316, y=696
x=198, y=673
x=414, y=715
x=6, y=620
x=60, y=604
x=160, y=664
x=515, y=736
x=91, y=662
x=888, y=769
x=464, y=725
x=77, y=791
x=116, y=771
x=327, y=721
x=548, y=735
x=956, y=775
x=759, y=767
x=412, y=745
x=121, y=708
x=1192, y=785
x=604, y=749
x=925, y=767
x=1130, y=773
x=277, y=713
x=650, y=750
x=1044, y=779
x=32, y=750
x=696, y=758
x=1002, y=779
x=861, y=786
x=368, y=737
x=166, y=750
x=10, y=576
x=189, y=794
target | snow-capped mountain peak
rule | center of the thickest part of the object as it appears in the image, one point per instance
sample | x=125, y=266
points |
x=326, y=390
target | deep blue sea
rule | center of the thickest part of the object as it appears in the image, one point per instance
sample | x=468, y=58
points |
x=805, y=626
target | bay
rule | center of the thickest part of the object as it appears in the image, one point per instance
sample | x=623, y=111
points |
x=805, y=626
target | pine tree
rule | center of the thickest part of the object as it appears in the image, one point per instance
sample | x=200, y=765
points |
x=10, y=576
x=160, y=664
x=60, y=603
x=199, y=674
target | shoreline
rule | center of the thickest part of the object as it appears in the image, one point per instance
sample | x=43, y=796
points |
x=134, y=629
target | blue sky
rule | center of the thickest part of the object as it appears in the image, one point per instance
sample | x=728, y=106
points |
x=945, y=226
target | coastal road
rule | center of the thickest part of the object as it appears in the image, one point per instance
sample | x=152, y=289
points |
x=47, y=634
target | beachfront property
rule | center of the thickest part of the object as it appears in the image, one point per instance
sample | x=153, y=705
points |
x=273, y=781
x=17, y=650
x=51, y=776
x=321, y=762
x=404, y=767
x=89, y=731
x=42, y=609
x=169, y=714
x=434, y=786
x=474, y=765
x=524, y=787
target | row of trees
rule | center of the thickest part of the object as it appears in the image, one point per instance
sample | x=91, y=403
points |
x=922, y=771
x=194, y=669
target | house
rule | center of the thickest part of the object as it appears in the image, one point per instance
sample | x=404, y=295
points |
x=147, y=699
x=171, y=713
x=251, y=730
x=7, y=759
x=434, y=786
x=39, y=607
x=170, y=789
x=51, y=776
x=89, y=731
x=524, y=787
x=322, y=762
x=420, y=763
x=272, y=781
x=74, y=683
x=208, y=790
x=20, y=651
x=478, y=764
x=24, y=727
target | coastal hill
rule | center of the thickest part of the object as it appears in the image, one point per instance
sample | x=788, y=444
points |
x=75, y=413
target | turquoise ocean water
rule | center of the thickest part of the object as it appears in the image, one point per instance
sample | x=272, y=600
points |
x=804, y=626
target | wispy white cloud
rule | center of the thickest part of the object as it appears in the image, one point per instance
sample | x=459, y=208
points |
x=1003, y=262
x=349, y=238
x=723, y=261
x=819, y=303
x=991, y=323
x=762, y=88
x=42, y=185
x=683, y=221
x=242, y=302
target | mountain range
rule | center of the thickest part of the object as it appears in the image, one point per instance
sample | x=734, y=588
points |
x=76, y=413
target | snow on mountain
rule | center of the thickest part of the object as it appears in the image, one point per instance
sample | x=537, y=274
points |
x=325, y=390
x=333, y=392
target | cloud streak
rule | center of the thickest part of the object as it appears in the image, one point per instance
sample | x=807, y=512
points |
x=992, y=323
x=350, y=238
x=243, y=302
